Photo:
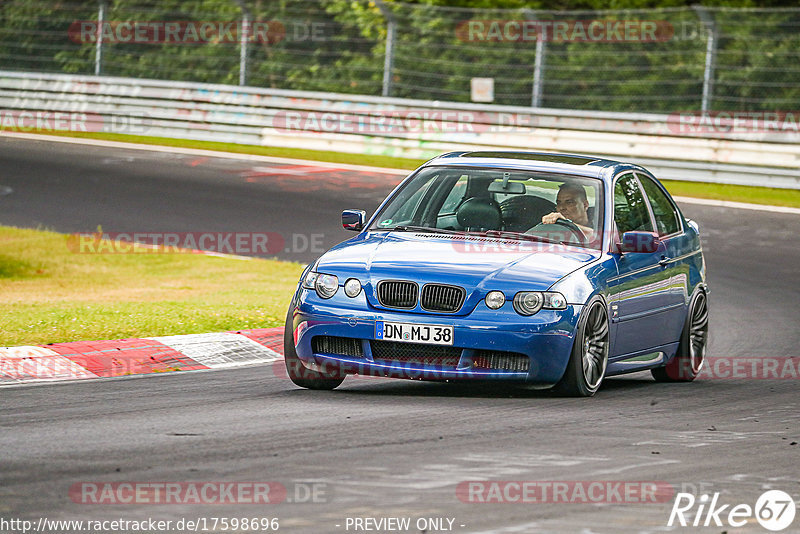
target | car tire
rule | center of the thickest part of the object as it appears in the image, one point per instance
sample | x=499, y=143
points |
x=589, y=357
x=299, y=373
x=691, y=353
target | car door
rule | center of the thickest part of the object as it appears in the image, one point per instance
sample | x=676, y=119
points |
x=679, y=252
x=641, y=300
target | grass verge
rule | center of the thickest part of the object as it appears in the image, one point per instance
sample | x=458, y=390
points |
x=373, y=160
x=51, y=294
x=736, y=193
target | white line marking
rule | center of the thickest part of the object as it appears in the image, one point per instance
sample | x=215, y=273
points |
x=38, y=364
x=26, y=351
x=618, y=470
x=522, y=527
x=365, y=168
x=737, y=205
x=299, y=171
x=220, y=350
x=201, y=152
x=196, y=251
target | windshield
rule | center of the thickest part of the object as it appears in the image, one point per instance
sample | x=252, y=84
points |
x=507, y=203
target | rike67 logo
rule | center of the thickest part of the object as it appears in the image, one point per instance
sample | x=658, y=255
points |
x=774, y=510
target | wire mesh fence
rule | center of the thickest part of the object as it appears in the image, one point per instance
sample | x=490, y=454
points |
x=634, y=60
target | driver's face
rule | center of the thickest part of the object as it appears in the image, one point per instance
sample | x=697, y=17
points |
x=570, y=206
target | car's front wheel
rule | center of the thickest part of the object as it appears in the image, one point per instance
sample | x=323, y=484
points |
x=299, y=373
x=587, y=363
x=688, y=361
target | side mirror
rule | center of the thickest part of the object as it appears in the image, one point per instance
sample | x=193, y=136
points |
x=354, y=220
x=645, y=242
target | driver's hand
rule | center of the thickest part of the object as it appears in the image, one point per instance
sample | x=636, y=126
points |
x=551, y=218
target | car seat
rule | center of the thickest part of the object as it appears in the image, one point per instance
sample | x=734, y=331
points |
x=479, y=213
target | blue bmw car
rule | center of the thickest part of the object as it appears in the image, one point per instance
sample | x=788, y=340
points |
x=547, y=270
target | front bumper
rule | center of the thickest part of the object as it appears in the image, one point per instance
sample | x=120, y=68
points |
x=545, y=339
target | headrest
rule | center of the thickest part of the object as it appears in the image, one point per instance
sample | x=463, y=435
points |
x=479, y=213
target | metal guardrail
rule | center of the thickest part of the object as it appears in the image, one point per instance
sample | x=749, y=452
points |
x=734, y=154
x=665, y=59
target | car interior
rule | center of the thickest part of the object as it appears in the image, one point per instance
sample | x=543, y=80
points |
x=504, y=204
x=481, y=201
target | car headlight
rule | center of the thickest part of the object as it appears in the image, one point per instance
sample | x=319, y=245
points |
x=352, y=287
x=530, y=302
x=495, y=299
x=326, y=285
x=310, y=280
x=554, y=301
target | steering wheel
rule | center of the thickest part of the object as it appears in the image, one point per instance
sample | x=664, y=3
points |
x=572, y=227
x=566, y=223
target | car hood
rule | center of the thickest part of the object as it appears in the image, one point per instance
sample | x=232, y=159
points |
x=478, y=264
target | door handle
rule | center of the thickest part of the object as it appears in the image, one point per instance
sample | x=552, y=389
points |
x=664, y=261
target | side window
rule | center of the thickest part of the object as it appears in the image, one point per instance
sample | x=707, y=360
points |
x=410, y=202
x=455, y=196
x=630, y=210
x=667, y=218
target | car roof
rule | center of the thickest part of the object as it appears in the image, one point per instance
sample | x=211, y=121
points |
x=590, y=166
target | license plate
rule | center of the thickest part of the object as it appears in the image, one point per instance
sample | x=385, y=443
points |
x=433, y=334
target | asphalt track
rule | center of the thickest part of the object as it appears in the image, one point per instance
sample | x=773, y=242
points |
x=387, y=448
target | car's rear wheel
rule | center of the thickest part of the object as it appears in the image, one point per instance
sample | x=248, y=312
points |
x=587, y=363
x=688, y=361
x=299, y=373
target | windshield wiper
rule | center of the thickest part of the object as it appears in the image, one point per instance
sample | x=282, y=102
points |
x=406, y=228
x=487, y=233
x=520, y=235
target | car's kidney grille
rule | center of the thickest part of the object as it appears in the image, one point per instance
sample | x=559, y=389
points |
x=397, y=294
x=501, y=361
x=441, y=298
x=343, y=346
x=415, y=353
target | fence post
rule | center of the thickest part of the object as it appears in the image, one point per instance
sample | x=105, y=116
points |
x=388, y=59
x=244, y=36
x=98, y=48
x=538, y=65
x=711, y=57
x=538, y=74
x=243, y=49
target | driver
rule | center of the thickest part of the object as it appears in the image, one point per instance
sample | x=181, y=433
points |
x=571, y=204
